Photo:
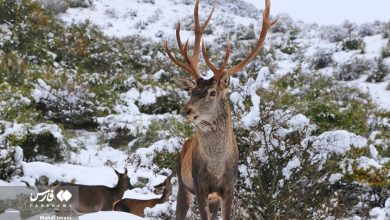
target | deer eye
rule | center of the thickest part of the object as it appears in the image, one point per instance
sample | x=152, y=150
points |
x=213, y=93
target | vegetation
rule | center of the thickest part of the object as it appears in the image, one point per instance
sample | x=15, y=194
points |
x=56, y=79
x=353, y=44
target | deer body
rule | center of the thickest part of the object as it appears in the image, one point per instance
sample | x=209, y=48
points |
x=137, y=206
x=208, y=163
x=100, y=198
x=209, y=160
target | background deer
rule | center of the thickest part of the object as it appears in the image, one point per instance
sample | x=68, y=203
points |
x=100, y=198
x=208, y=162
x=137, y=206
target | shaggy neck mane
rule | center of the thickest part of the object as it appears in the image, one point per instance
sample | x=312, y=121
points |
x=214, y=135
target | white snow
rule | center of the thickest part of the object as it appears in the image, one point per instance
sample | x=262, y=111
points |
x=109, y=215
x=69, y=173
x=147, y=97
x=291, y=165
x=335, y=177
x=253, y=116
x=381, y=213
x=378, y=91
x=335, y=142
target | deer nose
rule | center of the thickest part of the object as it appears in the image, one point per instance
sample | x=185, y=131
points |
x=188, y=110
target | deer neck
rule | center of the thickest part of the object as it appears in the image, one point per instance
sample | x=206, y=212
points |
x=119, y=190
x=165, y=196
x=215, y=136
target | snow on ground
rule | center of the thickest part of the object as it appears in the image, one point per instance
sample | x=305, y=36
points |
x=92, y=154
x=156, y=20
x=109, y=215
x=94, y=163
x=93, y=216
x=150, y=19
x=377, y=91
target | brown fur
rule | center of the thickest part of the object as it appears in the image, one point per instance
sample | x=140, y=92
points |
x=208, y=162
x=100, y=198
x=137, y=206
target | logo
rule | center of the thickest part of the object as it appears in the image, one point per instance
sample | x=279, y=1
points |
x=64, y=195
x=48, y=196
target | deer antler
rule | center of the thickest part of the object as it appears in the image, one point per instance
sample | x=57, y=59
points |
x=219, y=72
x=191, y=63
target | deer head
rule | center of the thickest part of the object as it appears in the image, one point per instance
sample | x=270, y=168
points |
x=166, y=187
x=208, y=95
x=123, y=182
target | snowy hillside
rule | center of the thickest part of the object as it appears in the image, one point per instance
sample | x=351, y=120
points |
x=86, y=87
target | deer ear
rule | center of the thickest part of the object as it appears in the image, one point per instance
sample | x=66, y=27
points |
x=117, y=173
x=225, y=81
x=185, y=84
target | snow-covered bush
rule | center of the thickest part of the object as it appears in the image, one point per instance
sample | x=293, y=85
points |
x=353, y=44
x=79, y=3
x=386, y=50
x=366, y=30
x=303, y=167
x=10, y=162
x=380, y=72
x=350, y=27
x=56, y=6
x=321, y=58
x=164, y=104
x=162, y=129
x=334, y=33
x=41, y=142
x=295, y=175
x=121, y=138
x=285, y=24
x=353, y=69
x=245, y=32
x=327, y=103
x=386, y=30
x=381, y=213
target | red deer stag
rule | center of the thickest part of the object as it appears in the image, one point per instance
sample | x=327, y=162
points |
x=208, y=162
x=99, y=198
x=137, y=206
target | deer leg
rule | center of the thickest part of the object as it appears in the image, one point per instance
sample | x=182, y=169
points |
x=184, y=199
x=227, y=201
x=203, y=203
x=214, y=207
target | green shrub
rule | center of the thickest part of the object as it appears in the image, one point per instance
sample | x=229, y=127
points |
x=328, y=104
x=165, y=160
x=38, y=147
x=353, y=44
x=121, y=139
x=353, y=69
x=10, y=162
x=265, y=154
x=163, y=129
x=321, y=58
x=379, y=73
x=386, y=50
x=386, y=30
x=164, y=104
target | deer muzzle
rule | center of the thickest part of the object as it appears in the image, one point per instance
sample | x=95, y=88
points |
x=190, y=113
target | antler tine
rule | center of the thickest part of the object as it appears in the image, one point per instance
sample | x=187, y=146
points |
x=182, y=50
x=266, y=26
x=218, y=72
x=199, y=29
x=207, y=60
x=175, y=61
x=191, y=64
x=227, y=55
